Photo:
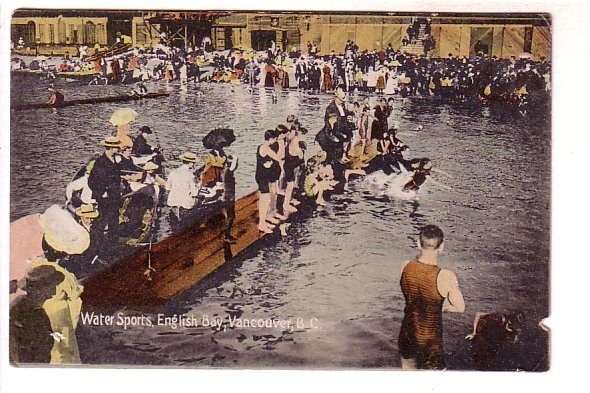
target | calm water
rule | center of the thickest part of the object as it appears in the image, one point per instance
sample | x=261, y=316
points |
x=338, y=271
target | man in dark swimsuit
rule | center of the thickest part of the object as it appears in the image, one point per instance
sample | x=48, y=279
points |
x=428, y=291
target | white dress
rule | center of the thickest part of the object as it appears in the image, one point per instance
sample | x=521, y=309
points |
x=392, y=84
x=372, y=78
x=182, y=187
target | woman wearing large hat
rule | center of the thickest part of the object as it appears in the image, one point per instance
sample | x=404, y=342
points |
x=181, y=185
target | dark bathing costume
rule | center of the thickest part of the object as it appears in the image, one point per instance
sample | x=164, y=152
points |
x=264, y=175
x=420, y=336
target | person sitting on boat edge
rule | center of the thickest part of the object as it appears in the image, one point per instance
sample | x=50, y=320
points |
x=320, y=178
x=141, y=147
x=182, y=186
x=212, y=174
x=80, y=184
x=86, y=215
x=390, y=151
x=151, y=178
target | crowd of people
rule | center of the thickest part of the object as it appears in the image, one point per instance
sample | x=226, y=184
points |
x=356, y=138
x=385, y=71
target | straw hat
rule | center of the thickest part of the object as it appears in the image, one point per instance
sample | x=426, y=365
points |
x=87, y=211
x=188, y=157
x=339, y=94
x=62, y=232
x=150, y=166
x=111, y=141
x=123, y=116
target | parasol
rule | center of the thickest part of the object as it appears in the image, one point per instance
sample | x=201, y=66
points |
x=219, y=138
x=123, y=116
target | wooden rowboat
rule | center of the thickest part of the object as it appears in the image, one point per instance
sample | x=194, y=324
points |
x=95, y=100
x=157, y=273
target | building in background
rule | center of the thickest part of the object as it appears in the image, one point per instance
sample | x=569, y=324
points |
x=501, y=35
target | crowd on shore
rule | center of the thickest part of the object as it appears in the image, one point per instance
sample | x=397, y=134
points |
x=385, y=71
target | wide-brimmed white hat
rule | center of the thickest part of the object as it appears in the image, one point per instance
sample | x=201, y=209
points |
x=62, y=232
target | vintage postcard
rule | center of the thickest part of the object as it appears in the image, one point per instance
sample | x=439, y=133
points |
x=301, y=190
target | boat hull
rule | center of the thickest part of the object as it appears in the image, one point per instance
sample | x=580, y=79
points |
x=178, y=262
x=95, y=100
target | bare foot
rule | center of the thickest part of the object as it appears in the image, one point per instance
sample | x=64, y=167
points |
x=264, y=229
x=289, y=208
x=283, y=227
x=272, y=220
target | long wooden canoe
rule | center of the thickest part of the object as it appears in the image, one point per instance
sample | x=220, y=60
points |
x=66, y=74
x=94, y=100
x=178, y=262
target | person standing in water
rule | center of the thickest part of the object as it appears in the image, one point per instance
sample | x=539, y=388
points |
x=268, y=171
x=428, y=292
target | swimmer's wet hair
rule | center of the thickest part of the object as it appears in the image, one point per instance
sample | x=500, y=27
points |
x=431, y=236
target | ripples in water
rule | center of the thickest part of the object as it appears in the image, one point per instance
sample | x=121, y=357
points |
x=341, y=264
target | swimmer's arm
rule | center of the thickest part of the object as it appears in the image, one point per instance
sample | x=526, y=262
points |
x=266, y=151
x=448, y=287
x=478, y=316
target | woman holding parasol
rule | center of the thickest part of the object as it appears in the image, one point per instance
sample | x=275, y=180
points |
x=121, y=119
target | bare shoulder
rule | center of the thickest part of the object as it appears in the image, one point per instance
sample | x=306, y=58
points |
x=446, y=280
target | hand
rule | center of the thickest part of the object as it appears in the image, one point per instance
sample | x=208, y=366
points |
x=470, y=336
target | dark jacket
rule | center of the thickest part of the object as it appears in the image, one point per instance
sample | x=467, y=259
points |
x=105, y=177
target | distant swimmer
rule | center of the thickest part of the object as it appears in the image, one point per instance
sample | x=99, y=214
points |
x=56, y=98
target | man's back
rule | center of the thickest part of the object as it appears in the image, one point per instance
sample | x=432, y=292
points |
x=423, y=301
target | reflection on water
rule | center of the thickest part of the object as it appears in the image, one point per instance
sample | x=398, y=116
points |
x=338, y=271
